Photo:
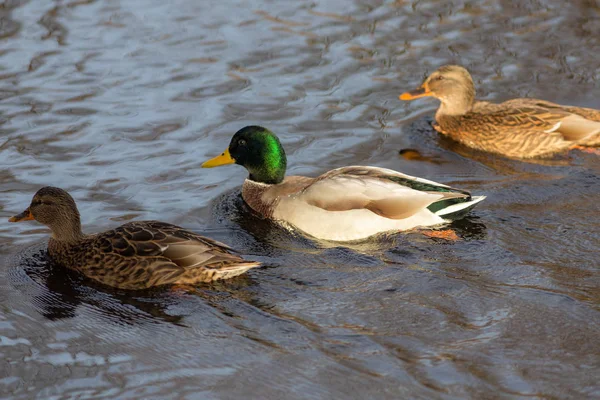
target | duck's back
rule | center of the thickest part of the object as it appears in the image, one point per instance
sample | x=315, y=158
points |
x=522, y=128
x=143, y=254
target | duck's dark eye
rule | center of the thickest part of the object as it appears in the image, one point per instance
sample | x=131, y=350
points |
x=441, y=77
x=241, y=142
x=41, y=202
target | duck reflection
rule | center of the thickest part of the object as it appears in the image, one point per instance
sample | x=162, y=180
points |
x=469, y=228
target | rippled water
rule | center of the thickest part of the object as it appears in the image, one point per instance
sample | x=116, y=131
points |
x=120, y=101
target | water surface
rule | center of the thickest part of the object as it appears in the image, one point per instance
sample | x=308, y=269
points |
x=119, y=102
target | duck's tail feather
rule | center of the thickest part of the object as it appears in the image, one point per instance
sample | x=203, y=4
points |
x=455, y=208
x=234, y=270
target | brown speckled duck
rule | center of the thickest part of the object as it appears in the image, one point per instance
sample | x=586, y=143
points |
x=136, y=255
x=519, y=128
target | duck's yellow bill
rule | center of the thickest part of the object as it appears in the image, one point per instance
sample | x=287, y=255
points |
x=415, y=94
x=24, y=216
x=222, y=159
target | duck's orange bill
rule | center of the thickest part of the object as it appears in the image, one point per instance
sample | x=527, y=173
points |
x=415, y=94
x=222, y=159
x=24, y=216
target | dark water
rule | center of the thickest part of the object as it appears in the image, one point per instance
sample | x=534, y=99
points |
x=120, y=101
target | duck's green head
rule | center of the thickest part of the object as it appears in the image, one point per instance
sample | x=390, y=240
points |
x=259, y=151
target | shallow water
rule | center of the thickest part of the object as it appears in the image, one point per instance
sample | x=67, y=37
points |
x=119, y=102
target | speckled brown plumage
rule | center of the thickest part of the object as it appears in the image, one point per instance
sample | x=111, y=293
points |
x=136, y=255
x=588, y=113
x=520, y=128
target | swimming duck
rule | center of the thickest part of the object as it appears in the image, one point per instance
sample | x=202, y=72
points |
x=136, y=255
x=519, y=128
x=345, y=204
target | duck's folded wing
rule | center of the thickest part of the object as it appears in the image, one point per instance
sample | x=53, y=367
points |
x=587, y=113
x=522, y=117
x=384, y=192
x=183, y=248
x=549, y=121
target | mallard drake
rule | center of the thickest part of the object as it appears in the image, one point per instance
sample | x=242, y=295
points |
x=345, y=204
x=136, y=255
x=519, y=128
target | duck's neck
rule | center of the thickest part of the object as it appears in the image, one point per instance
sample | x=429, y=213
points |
x=67, y=230
x=266, y=176
x=253, y=194
x=457, y=103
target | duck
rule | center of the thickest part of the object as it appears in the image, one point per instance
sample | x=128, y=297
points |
x=133, y=256
x=345, y=204
x=517, y=128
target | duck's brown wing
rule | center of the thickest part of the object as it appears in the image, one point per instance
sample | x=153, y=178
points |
x=587, y=113
x=552, y=121
x=522, y=132
x=517, y=117
x=152, y=253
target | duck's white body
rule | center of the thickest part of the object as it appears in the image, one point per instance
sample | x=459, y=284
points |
x=353, y=203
